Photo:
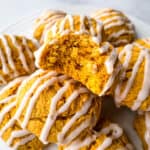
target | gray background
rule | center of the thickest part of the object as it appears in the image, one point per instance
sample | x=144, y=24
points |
x=14, y=10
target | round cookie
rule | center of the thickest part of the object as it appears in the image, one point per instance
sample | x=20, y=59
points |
x=79, y=25
x=10, y=130
x=109, y=137
x=133, y=90
x=142, y=126
x=16, y=57
x=94, y=65
x=55, y=107
x=118, y=28
x=45, y=21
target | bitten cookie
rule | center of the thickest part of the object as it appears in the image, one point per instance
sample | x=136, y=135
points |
x=94, y=65
x=110, y=137
x=10, y=130
x=44, y=22
x=134, y=88
x=118, y=28
x=142, y=126
x=16, y=57
x=55, y=107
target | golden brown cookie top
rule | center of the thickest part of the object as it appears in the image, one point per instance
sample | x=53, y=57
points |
x=45, y=21
x=118, y=28
x=78, y=24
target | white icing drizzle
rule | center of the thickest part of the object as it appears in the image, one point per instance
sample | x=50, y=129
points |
x=147, y=133
x=112, y=19
x=6, y=110
x=116, y=133
x=9, y=124
x=110, y=80
x=112, y=128
x=24, y=141
x=12, y=84
x=104, y=48
x=77, y=144
x=119, y=33
x=118, y=23
x=5, y=68
x=16, y=134
x=144, y=92
x=107, y=14
x=107, y=142
x=110, y=62
x=9, y=55
x=119, y=41
x=21, y=54
x=7, y=99
x=24, y=42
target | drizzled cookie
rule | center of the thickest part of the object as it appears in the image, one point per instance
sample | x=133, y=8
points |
x=10, y=130
x=118, y=28
x=16, y=57
x=55, y=107
x=134, y=88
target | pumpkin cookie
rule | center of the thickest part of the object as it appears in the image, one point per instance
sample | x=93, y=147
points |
x=94, y=65
x=44, y=22
x=118, y=28
x=110, y=137
x=79, y=25
x=55, y=107
x=10, y=130
x=134, y=87
x=142, y=126
x=16, y=57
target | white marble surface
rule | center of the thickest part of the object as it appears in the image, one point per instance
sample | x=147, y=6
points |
x=13, y=10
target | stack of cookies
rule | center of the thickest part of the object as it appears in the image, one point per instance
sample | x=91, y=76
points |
x=57, y=82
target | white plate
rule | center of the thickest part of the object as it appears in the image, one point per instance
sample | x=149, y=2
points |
x=122, y=116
